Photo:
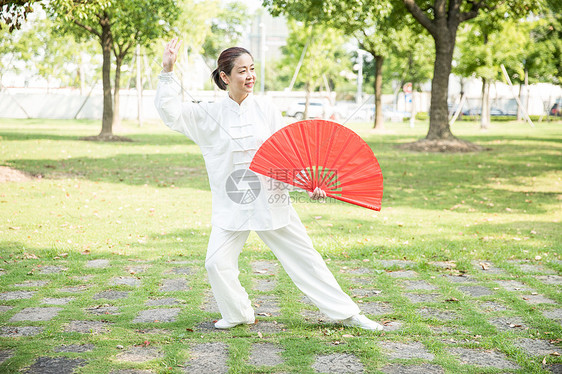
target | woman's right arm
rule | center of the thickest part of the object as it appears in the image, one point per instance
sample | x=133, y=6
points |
x=178, y=116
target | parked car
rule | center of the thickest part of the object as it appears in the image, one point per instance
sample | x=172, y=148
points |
x=476, y=111
x=315, y=110
x=556, y=109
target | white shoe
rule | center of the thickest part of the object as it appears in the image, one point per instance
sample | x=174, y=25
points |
x=224, y=324
x=363, y=322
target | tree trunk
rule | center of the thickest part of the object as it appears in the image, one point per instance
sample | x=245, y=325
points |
x=439, y=112
x=485, y=105
x=379, y=120
x=307, y=100
x=106, y=45
x=117, y=85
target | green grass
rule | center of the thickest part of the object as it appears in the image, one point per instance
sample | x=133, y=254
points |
x=149, y=200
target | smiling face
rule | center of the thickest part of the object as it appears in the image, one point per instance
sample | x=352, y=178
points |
x=241, y=79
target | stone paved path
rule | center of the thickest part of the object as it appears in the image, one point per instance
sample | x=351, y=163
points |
x=122, y=317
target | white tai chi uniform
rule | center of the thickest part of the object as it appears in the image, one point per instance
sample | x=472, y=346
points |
x=229, y=135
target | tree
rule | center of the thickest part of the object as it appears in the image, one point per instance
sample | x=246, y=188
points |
x=324, y=57
x=442, y=18
x=14, y=12
x=117, y=26
x=372, y=23
x=487, y=43
x=226, y=30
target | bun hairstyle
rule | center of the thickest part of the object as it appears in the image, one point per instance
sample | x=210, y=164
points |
x=225, y=63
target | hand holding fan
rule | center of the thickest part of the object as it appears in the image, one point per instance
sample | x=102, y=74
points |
x=324, y=154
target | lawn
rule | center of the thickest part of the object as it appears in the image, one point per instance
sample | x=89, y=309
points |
x=148, y=202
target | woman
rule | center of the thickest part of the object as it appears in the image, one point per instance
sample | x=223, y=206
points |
x=229, y=132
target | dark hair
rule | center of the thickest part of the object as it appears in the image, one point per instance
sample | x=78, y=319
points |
x=225, y=63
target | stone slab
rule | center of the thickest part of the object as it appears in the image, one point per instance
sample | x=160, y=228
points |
x=264, y=284
x=376, y=308
x=157, y=315
x=365, y=281
x=412, y=369
x=57, y=300
x=459, y=278
x=439, y=314
x=550, y=279
x=537, y=347
x=446, y=265
x=512, y=285
x=208, y=358
x=265, y=354
x=419, y=285
x=97, y=264
x=5, y=308
x=315, y=316
x=537, y=299
x=402, y=274
x=162, y=301
x=533, y=268
x=397, y=350
x=174, y=285
x=487, y=267
x=423, y=297
x=55, y=365
x=181, y=270
x=554, y=368
x=267, y=327
x=49, y=269
x=136, y=269
x=125, y=281
x=395, y=263
x=337, y=363
x=32, y=283
x=493, y=306
x=75, y=348
x=210, y=304
x=265, y=267
x=17, y=331
x=83, y=278
x=16, y=295
x=4, y=355
x=74, y=289
x=36, y=314
x=104, y=309
x=87, y=327
x=555, y=314
x=356, y=271
x=476, y=291
x=111, y=295
x=140, y=354
x=508, y=323
x=481, y=358
x=392, y=325
x=266, y=306
x=365, y=292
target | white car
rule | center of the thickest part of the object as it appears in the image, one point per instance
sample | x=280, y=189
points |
x=315, y=110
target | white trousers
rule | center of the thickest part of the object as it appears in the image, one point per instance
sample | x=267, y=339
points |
x=293, y=248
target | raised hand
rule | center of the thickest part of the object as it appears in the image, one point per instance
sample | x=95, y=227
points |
x=171, y=54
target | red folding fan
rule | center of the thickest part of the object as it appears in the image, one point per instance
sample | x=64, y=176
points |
x=318, y=153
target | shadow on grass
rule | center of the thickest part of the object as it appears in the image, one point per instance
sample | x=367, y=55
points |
x=161, y=170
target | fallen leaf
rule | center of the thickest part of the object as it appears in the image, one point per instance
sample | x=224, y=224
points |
x=484, y=265
x=347, y=336
x=452, y=299
x=260, y=335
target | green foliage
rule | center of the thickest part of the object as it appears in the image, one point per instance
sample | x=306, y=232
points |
x=226, y=30
x=484, y=44
x=325, y=55
x=544, y=56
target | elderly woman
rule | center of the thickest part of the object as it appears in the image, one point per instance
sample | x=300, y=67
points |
x=229, y=132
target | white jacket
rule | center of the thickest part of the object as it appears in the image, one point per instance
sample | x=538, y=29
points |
x=229, y=135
